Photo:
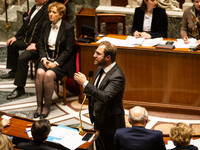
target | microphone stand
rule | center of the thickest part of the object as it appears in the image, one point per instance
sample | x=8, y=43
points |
x=81, y=129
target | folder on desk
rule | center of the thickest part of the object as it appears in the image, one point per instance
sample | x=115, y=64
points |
x=164, y=46
x=66, y=136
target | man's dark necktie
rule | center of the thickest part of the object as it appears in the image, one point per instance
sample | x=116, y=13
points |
x=100, y=74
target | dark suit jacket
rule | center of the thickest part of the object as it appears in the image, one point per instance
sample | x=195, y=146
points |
x=159, y=23
x=64, y=42
x=188, y=147
x=139, y=138
x=108, y=101
x=27, y=29
x=32, y=145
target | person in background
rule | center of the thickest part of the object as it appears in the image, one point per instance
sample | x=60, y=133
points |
x=138, y=137
x=5, y=142
x=181, y=134
x=40, y=131
x=105, y=95
x=150, y=21
x=56, y=56
x=191, y=22
x=26, y=39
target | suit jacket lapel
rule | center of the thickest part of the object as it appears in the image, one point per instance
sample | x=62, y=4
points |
x=32, y=10
x=47, y=32
x=37, y=16
x=60, y=32
x=97, y=73
x=105, y=79
x=154, y=19
x=141, y=20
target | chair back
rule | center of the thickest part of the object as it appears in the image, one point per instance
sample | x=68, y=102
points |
x=111, y=22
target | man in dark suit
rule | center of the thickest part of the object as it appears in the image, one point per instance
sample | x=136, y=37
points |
x=40, y=131
x=138, y=137
x=105, y=96
x=26, y=39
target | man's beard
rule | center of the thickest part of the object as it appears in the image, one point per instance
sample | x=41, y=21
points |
x=102, y=62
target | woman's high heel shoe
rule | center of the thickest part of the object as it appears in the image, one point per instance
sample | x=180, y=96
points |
x=42, y=116
x=36, y=115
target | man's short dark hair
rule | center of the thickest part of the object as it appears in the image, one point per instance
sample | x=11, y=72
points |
x=40, y=129
x=110, y=49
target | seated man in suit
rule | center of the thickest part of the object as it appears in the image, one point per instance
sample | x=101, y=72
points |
x=40, y=131
x=26, y=39
x=138, y=137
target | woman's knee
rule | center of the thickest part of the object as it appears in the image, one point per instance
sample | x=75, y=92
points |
x=40, y=73
x=50, y=74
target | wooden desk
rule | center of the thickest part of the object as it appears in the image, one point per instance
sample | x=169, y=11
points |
x=158, y=79
x=18, y=125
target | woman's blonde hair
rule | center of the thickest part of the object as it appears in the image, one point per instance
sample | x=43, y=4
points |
x=5, y=142
x=180, y=134
x=60, y=7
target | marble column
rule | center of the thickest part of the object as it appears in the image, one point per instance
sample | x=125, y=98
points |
x=105, y=2
x=187, y=4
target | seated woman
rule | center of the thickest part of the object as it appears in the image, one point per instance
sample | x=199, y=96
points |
x=190, y=22
x=56, y=56
x=150, y=21
x=181, y=134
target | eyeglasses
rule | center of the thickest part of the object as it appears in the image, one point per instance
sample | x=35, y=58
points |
x=98, y=54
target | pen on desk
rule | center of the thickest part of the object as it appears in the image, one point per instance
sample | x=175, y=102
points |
x=27, y=131
x=184, y=36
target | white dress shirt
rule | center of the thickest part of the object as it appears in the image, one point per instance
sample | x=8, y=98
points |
x=147, y=22
x=35, y=12
x=53, y=35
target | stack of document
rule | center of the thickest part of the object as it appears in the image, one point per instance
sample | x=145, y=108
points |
x=180, y=43
x=66, y=136
x=116, y=42
x=134, y=41
x=131, y=41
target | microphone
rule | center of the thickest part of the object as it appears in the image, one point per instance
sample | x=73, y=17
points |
x=81, y=129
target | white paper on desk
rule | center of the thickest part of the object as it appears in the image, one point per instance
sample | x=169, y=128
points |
x=152, y=42
x=170, y=145
x=134, y=41
x=116, y=42
x=180, y=43
x=29, y=132
x=6, y=117
x=66, y=136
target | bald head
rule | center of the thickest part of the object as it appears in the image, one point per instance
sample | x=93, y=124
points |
x=138, y=116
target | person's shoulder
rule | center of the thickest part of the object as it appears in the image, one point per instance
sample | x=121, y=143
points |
x=24, y=145
x=138, y=9
x=153, y=131
x=45, y=23
x=67, y=25
x=159, y=9
x=187, y=10
x=118, y=69
x=123, y=130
